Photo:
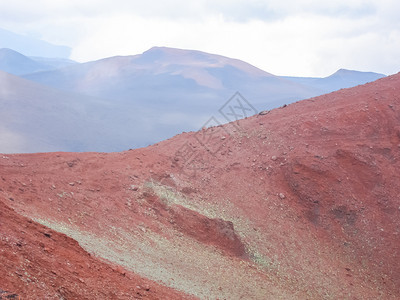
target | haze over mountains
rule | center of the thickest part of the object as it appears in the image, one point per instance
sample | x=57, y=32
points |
x=35, y=118
x=32, y=46
x=136, y=100
x=15, y=63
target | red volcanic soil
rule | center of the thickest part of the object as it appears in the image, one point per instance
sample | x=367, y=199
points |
x=39, y=263
x=301, y=202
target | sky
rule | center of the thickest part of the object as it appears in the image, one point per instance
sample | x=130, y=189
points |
x=283, y=37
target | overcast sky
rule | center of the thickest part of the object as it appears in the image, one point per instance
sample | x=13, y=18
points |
x=284, y=37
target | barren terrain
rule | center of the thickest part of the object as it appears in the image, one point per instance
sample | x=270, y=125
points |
x=301, y=202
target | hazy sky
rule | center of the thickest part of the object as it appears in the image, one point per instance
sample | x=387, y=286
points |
x=284, y=37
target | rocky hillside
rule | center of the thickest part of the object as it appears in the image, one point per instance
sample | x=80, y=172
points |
x=300, y=202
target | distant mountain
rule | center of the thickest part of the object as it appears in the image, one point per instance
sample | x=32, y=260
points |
x=54, y=63
x=35, y=118
x=180, y=79
x=340, y=79
x=15, y=63
x=30, y=46
x=127, y=102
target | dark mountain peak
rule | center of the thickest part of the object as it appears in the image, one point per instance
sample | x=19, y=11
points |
x=346, y=72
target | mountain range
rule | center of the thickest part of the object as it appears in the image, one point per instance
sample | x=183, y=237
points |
x=137, y=100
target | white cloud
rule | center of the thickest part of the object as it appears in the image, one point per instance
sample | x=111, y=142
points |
x=296, y=37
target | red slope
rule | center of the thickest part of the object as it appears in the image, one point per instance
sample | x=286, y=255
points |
x=299, y=203
x=39, y=263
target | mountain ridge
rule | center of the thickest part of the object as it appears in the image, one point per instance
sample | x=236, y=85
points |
x=342, y=78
